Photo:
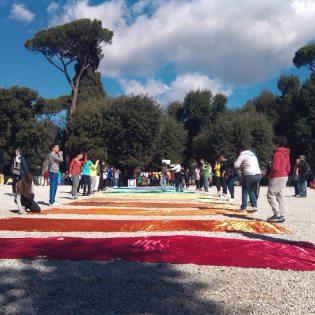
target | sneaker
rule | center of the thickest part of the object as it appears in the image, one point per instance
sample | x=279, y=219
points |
x=252, y=209
x=223, y=197
x=232, y=199
x=277, y=219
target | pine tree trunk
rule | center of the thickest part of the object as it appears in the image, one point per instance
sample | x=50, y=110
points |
x=74, y=99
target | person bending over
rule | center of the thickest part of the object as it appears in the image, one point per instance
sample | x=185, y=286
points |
x=25, y=195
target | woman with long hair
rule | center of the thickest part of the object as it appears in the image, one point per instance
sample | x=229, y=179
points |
x=25, y=194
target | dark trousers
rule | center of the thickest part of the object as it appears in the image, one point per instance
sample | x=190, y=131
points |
x=197, y=183
x=230, y=185
x=223, y=184
x=86, y=181
x=217, y=182
x=178, y=182
x=296, y=188
x=33, y=206
x=16, y=178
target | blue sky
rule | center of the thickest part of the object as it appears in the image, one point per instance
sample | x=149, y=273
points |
x=164, y=48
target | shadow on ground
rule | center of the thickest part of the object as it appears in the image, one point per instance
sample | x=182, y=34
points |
x=91, y=287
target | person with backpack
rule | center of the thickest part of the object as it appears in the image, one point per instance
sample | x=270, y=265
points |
x=278, y=178
x=18, y=168
x=24, y=196
x=305, y=172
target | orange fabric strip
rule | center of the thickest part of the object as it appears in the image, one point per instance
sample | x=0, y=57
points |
x=78, y=225
x=147, y=212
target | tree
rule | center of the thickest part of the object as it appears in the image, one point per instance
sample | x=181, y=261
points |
x=84, y=131
x=200, y=109
x=132, y=130
x=171, y=143
x=175, y=110
x=79, y=43
x=232, y=129
x=21, y=126
x=305, y=56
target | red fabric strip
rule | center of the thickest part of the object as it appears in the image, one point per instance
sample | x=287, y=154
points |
x=167, y=249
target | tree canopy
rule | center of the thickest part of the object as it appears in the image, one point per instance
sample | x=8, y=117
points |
x=78, y=43
x=305, y=56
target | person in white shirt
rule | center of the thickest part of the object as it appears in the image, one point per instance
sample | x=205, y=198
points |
x=247, y=162
x=177, y=173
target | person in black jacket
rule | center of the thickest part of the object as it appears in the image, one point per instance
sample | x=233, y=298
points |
x=304, y=172
x=18, y=168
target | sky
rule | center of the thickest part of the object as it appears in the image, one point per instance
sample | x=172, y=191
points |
x=165, y=48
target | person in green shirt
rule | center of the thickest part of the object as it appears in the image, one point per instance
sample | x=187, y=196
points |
x=205, y=172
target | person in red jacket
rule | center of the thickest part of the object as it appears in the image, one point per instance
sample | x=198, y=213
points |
x=278, y=177
x=74, y=173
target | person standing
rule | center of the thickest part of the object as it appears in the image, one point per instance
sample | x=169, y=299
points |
x=278, y=177
x=217, y=175
x=74, y=173
x=247, y=162
x=178, y=178
x=227, y=177
x=18, y=168
x=93, y=175
x=304, y=171
x=205, y=171
x=55, y=157
x=164, y=176
x=295, y=175
x=86, y=178
x=116, y=177
x=197, y=177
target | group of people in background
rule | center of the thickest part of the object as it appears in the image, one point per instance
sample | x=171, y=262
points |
x=92, y=175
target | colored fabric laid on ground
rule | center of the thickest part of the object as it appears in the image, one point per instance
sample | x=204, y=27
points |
x=142, y=204
x=80, y=225
x=137, y=211
x=167, y=249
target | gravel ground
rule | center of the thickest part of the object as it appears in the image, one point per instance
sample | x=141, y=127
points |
x=90, y=287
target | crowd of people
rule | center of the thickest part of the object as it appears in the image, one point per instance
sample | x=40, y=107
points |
x=92, y=175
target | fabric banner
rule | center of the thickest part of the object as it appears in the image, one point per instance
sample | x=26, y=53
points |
x=167, y=249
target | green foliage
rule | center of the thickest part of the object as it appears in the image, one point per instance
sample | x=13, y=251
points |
x=84, y=131
x=200, y=109
x=20, y=126
x=232, y=129
x=171, y=143
x=175, y=110
x=132, y=127
x=78, y=42
x=91, y=87
x=305, y=56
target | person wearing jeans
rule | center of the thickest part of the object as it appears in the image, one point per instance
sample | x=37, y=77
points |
x=303, y=170
x=74, y=172
x=178, y=177
x=55, y=157
x=278, y=177
x=248, y=163
x=86, y=178
x=205, y=170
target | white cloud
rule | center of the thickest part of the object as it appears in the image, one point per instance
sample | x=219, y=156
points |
x=52, y=8
x=239, y=42
x=19, y=12
x=177, y=89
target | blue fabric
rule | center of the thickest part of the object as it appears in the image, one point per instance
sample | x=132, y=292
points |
x=249, y=187
x=86, y=168
x=205, y=183
x=302, y=187
x=163, y=182
x=53, y=181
